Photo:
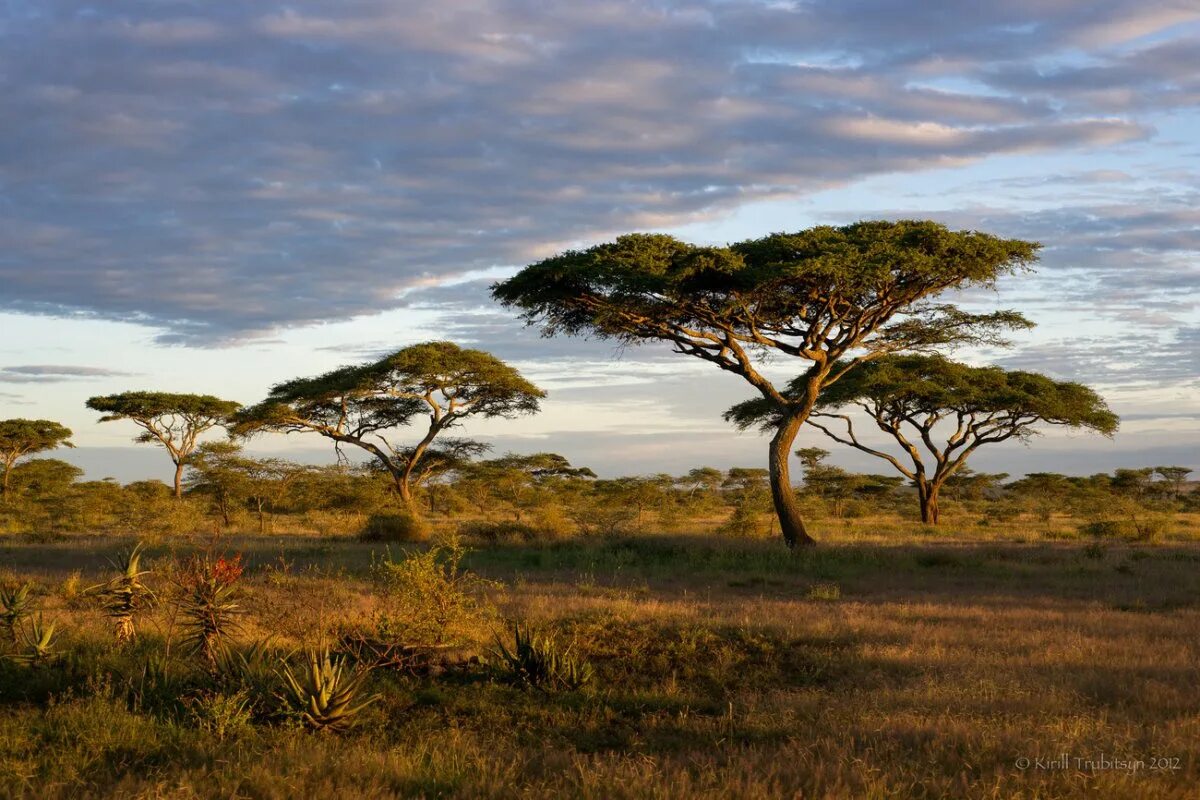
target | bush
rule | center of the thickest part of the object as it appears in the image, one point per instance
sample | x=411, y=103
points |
x=1127, y=519
x=502, y=531
x=428, y=598
x=748, y=521
x=403, y=527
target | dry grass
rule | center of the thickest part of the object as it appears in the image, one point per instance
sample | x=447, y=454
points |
x=919, y=669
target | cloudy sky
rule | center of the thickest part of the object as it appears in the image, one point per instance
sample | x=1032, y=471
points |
x=216, y=196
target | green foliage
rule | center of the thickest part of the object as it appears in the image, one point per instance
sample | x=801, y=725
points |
x=429, y=599
x=649, y=286
x=1126, y=518
x=208, y=605
x=824, y=592
x=21, y=437
x=538, y=662
x=16, y=605
x=176, y=421
x=38, y=641
x=220, y=715
x=357, y=404
x=498, y=531
x=326, y=694
x=126, y=595
x=191, y=410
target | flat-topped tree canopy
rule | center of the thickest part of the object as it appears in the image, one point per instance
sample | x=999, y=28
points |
x=357, y=404
x=22, y=437
x=176, y=421
x=908, y=396
x=827, y=295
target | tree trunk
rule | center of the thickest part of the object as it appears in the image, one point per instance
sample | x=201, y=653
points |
x=178, y=480
x=4, y=483
x=928, y=495
x=404, y=489
x=782, y=492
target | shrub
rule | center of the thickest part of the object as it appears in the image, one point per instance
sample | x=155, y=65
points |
x=824, y=592
x=221, y=715
x=538, y=662
x=500, y=531
x=1127, y=519
x=428, y=598
x=748, y=521
x=404, y=527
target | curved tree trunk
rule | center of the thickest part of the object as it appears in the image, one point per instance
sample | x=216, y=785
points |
x=782, y=493
x=404, y=489
x=178, y=480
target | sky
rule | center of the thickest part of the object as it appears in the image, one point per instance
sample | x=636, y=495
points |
x=209, y=196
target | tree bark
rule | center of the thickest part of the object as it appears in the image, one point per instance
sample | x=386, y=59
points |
x=782, y=492
x=178, y=480
x=4, y=484
x=928, y=495
x=404, y=489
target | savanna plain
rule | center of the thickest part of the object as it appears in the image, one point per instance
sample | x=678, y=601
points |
x=1014, y=658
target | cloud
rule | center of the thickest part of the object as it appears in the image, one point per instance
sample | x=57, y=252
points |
x=55, y=373
x=233, y=170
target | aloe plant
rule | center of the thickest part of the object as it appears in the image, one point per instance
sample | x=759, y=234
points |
x=15, y=606
x=208, y=605
x=325, y=693
x=38, y=641
x=126, y=595
x=537, y=661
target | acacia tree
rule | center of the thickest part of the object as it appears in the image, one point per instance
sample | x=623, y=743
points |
x=22, y=437
x=908, y=396
x=830, y=297
x=176, y=421
x=357, y=405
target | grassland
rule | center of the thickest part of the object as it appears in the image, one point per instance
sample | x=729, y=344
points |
x=723, y=668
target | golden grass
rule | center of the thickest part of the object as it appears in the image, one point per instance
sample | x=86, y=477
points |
x=935, y=669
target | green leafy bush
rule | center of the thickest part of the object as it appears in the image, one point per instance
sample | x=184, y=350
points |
x=428, y=598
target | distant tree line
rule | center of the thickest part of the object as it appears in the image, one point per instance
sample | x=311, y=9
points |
x=855, y=308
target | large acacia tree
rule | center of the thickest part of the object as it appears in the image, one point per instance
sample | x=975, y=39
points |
x=830, y=297
x=358, y=405
x=939, y=412
x=22, y=437
x=176, y=421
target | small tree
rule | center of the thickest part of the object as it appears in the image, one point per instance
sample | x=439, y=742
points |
x=225, y=473
x=1174, y=478
x=22, y=437
x=908, y=396
x=829, y=297
x=176, y=421
x=357, y=405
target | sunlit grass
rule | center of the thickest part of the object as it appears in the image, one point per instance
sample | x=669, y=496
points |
x=721, y=668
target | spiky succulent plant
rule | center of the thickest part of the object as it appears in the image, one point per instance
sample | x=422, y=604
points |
x=38, y=643
x=537, y=661
x=15, y=605
x=126, y=595
x=326, y=693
